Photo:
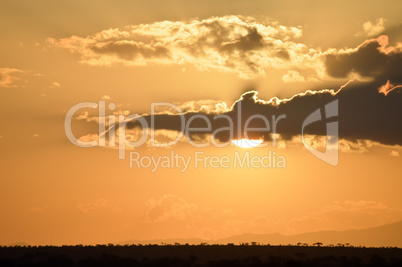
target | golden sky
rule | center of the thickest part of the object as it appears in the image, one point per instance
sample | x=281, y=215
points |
x=208, y=58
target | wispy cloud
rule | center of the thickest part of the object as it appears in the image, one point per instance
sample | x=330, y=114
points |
x=10, y=77
x=292, y=76
x=55, y=85
x=388, y=87
x=373, y=28
x=169, y=207
x=345, y=215
x=96, y=205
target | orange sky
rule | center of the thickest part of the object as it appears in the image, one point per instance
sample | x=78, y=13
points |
x=194, y=54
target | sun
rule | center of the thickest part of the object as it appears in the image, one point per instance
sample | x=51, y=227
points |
x=247, y=143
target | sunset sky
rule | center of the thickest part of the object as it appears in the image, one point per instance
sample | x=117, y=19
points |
x=207, y=58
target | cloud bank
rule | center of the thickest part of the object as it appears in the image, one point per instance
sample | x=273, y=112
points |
x=364, y=114
x=242, y=45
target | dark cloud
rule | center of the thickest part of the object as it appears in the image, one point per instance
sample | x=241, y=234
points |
x=372, y=59
x=364, y=113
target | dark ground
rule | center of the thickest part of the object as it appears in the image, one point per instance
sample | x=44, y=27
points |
x=199, y=255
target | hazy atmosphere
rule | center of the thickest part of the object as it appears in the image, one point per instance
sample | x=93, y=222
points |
x=278, y=117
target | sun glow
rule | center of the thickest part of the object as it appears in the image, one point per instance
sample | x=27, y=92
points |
x=247, y=143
